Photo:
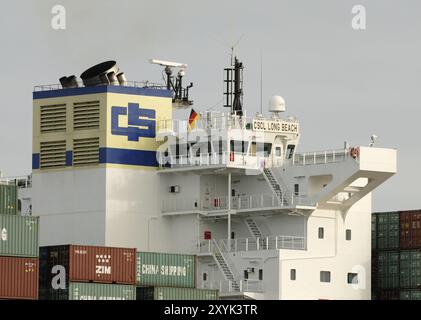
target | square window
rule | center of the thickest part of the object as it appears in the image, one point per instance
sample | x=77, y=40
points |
x=353, y=278
x=293, y=274
x=321, y=233
x=348, y=234
x=324, y=276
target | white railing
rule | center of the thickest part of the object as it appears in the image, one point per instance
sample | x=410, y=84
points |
x=21, y=181
x=255, y=244
x=319, y=157
x=246, y=202
x=224, y=286
x=134, y=84
x=203, y=159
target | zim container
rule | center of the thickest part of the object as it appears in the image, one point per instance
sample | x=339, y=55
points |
x=8, y=199
x=72, y=263
x=18, y=278
x=18, y=236
x=165, y=270
x=410, y=229
x=171, y=293
x=90, y=291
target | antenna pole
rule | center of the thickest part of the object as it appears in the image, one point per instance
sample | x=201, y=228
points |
x=261, y=84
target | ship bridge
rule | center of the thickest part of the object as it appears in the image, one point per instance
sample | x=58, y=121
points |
x=253, y=160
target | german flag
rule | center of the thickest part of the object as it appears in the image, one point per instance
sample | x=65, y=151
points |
x=194, y=116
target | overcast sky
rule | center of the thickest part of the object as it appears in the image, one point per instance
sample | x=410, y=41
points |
x=342, y=84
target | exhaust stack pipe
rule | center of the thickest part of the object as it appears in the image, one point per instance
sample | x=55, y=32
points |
x=122, y=79
x=113, y=78
x=100, y=74
x=69, y=82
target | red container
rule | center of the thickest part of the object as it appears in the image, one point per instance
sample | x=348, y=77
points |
x=18, y=278
x=88, y=264
x=410, y=229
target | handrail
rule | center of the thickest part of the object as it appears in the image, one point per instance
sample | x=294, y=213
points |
x=254, y=244
x=319, y=157
x=244, y=202
x=135, y=84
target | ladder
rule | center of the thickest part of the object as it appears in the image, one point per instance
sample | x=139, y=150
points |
x=274, y=185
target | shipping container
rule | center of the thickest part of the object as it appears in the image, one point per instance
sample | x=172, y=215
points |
x=90, y=291
x=410, y=268
x=373, y=231
x=410, y=295
x=388, y=294
x=374, y=270
x=388, y=270
x=410, y=229
x=387, y=230
x=87, y=264
x=171, y=293
x=18, y=236
x=166, y=270
x=8, y=199
x=18, y=278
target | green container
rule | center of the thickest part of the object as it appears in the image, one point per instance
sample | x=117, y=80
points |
x=410, y=268
x=373, y=231
x=170, y=293
x=388, y=270
x=410, y=295
x=387, y=230
x=19, y=236
x=90, y=291
x=8, y=199
x=165, y=270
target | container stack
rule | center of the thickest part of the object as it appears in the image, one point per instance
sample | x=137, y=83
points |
x=73, y=272
x=168, y=276
x=396, y=257
x=18, y=249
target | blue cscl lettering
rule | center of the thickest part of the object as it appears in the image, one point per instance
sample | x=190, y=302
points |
x=141, y=122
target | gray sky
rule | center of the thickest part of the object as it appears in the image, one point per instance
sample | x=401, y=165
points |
x=342, y=84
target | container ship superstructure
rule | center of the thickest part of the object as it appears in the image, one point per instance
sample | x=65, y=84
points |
x=113, y=166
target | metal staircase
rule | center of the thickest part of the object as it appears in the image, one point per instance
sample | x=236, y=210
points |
x=274, y=185
x=253, y=228
x=256, y=232
x=224, y=266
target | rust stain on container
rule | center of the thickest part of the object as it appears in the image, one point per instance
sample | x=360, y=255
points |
x=18, y=278
x=89, y=264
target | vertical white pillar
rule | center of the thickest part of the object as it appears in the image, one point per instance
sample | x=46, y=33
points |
x=229, y=211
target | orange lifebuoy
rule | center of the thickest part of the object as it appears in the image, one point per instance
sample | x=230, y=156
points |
x=355, y=152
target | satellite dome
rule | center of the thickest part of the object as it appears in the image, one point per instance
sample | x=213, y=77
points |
x=276, y=104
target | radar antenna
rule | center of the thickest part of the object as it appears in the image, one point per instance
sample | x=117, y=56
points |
x=175, y=84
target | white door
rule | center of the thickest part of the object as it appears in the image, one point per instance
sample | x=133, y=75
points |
x=277, y=149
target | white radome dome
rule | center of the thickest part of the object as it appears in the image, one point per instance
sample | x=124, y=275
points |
x=276, y=104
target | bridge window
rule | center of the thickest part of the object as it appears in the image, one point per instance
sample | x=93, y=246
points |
x=290, y=151
x=293, y=274
x=238, y=146
x=324, y=276
x=348, y=234
x=353, y=278
x=321, y=233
